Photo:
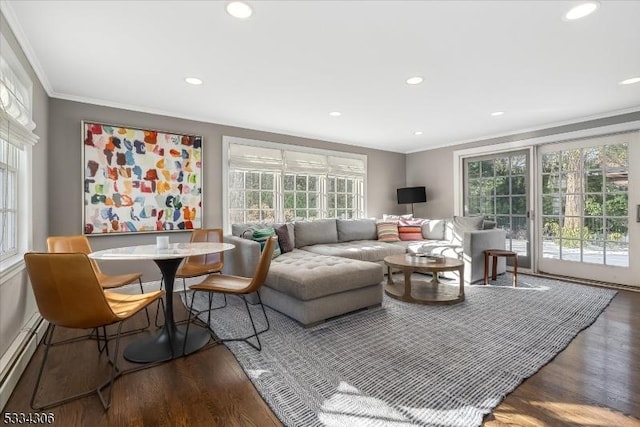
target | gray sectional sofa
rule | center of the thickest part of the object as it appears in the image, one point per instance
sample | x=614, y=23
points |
x=336, y=266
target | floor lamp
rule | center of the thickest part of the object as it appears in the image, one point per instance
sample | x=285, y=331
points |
x=411, y=195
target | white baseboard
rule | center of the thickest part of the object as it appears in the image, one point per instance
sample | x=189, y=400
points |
x=15, y=360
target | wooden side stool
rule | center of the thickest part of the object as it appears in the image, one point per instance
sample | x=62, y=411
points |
x=495, y=253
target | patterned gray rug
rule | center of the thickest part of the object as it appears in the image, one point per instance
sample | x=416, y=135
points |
x=405, y=364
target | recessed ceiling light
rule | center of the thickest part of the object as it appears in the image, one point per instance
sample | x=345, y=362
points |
x=497, y=113
x=193, y=81
x=630, y=81
x=581, y=10
x=418, y=132
x=414, y=80
x=239, y=9
x=335, y=113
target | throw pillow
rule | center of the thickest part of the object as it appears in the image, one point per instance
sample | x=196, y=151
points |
x=465, y=223
x=386, y=217
x=261, y=235
x=284, y=239
x=410, y=229
x=388, y=231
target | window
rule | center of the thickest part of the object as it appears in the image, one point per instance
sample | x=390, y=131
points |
x=270, y=182
x=585, y=204
x=9, y=157
x=16, y=139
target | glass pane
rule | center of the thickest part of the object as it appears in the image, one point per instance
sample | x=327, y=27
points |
x=617, y=156
x=289, y=200
x=503, y=206
x=617, y=181
x=570, y=250
x=519, y=205
x=313, y=214
x=617, y=254
x=593, y=205
x=236, y=180
x=502, y=185
x=301, y=214
x=474, y=205
x=11, y=232
x=349, y=201
x=519, y=164
x=313, y=183
x=10, y=195
x=342, y=201
x=571, y=227
x=572, y=205
x=501, y=166
x=550, y=249
x=617, y=229
x=331, y=183
x=518, y=185
x=267, y=200
x=571, y=160
x=593, y=158
x=550, y=184
x=473, y=169
x=349, y=186
x=301, y=200
x=331, y=201
x=342, y=185
x=551, y=205
x=253, y=180
x=289, y=181
x=551, y=163
x=519, y=235
x=593, y=252
x=253, y=215
x=237, y=217
x=268, y=216
x=313, y=200
x=252, y=199
x=488, y=186
x=550, y=227
x=488, y=206
x=617, y=205
x=289, y=215
x=595, y=228
x=301, y=183
x=236, y=200
x=267, y=181
x=503, y=222
x=594, y=181
x=474, y=187
x=486, y=168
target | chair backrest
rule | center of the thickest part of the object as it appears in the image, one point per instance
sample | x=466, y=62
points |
x=208, y=262
x=263, y=265
x=67, y=290
x=72, y=244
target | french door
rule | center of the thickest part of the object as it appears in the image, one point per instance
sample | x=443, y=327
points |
x=498, y=187
x=587, y=227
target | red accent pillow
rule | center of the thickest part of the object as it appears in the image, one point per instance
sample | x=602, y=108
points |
x=410, y=229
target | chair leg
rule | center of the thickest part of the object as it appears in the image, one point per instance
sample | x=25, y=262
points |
x=256, y=334
x=106, y=403
x=47, y=342
x=146, y=309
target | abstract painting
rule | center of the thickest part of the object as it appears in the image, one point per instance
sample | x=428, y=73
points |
x=139, y=180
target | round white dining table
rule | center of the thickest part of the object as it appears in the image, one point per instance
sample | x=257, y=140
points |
x=171, y=341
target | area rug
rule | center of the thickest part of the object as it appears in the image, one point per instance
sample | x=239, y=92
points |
x=405, y=364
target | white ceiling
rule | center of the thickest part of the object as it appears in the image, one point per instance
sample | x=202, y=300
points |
x=285, y=68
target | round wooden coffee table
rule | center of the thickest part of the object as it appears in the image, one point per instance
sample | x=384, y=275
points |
x=423, y=292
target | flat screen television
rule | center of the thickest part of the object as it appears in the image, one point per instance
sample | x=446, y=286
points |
x=412, y=195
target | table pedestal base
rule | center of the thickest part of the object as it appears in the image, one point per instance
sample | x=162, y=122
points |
x=424, y=292
x=159, y=346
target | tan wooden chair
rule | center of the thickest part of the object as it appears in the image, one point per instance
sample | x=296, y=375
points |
x=200, y=265
x=69, y=294
x=80, y=244
x=241, y=286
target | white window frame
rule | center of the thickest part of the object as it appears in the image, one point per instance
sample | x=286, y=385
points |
x=227, y=141
x=16, y=128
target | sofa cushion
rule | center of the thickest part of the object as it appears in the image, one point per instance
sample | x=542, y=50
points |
x=315, y=232
x=261, y=235
x=306, y=276
x=387, y=231
x=239, y=229
x=388, y=217
x=410, y=229
x=465, y=223
x=356, y=229
x=285, y=239
x=433, y=229
x=363, y=250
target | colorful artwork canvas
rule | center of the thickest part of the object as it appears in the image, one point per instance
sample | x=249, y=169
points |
x=139, y=180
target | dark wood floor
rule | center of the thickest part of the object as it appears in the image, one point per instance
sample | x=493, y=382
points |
x=594, y=382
